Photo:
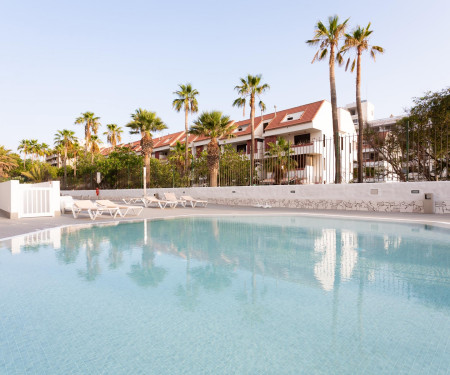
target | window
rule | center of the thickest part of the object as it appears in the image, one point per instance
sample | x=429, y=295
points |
x=265, y=124
x=241, y=148
x=293, y=116
x=302, y=138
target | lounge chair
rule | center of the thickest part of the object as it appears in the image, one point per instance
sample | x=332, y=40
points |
x=133, y=200
x=65, y=203
x=162, y=203
x=92, y=209
x=194, y=201
x=172, y=198
x=123, y=209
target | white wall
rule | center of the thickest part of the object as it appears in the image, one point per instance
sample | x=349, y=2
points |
x=11, y=197
x=393, y=197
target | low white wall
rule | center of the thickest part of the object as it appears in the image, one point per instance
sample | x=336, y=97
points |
x=11, y=197
x=393, y=197
x=9, y=192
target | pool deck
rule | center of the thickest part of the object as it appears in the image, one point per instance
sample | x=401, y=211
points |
x=10, y=228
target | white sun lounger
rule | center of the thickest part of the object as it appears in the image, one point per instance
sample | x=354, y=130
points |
x=172, y=198
x=123, y=209
x=92, y=209
x=194, y=201
x=133, y=200
x=162, y=203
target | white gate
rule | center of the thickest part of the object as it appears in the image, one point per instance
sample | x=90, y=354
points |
x=35, y=201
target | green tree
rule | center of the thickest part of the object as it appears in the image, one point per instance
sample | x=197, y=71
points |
x=186, y=101
x=358, y=40
x=7, y=162
x=416, y=147
x=91, y=124
x=113, y=134
x=327, y=37
x=145, y=123
x=234, y=167
x=65, y=139
x=213, y=125
x=250, y=89
x=279, y=160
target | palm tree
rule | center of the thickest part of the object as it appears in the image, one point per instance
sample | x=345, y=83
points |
x=177, y=156
x=75, y=151
x=65, y=139
x=95, y=146
x=91, y=125
x=358, y=40
x=251, y=88
x=213, y=125
x=145, y=123
x=7, y=161
x=25, y=147
x=113, y=134
x=34, y=148
x=44, y=150
x=36, y=174
x=186, y=100
x=279, y=160
x=327, y=38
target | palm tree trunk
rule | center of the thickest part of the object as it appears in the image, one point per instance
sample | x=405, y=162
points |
x=360, y=117
x=252, y=146
x=213, y=162
x=147, y=167
x=24, y=160
x=186, y=144
x=65, y=167
x=337, y=155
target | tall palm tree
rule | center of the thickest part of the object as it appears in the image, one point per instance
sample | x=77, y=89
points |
x=44, y=150
x=74, y=152
x=7, y=161
x=65, y=139
x=113, y=134
x=95, y=146
x=327, y=38
x=251, y=88
x=25, y=147
x=145, y=123
x=358, y=40
x=91, y=125
x=213, y=125
x=186, y=100
x=34, y=148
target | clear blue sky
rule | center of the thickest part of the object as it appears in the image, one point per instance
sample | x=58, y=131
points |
x=61, y=58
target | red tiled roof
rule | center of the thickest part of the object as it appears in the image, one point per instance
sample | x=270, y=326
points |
x=166, y=140
x=310, y=111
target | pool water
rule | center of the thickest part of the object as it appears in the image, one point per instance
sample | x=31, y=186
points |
x=228, y=295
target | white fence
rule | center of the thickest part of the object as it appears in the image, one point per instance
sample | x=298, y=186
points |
x=29, y=200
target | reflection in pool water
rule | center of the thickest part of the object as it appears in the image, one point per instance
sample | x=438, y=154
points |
x=284, y=295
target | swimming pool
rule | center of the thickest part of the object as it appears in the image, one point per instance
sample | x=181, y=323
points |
x=227, y=295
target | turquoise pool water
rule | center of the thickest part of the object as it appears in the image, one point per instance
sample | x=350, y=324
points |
x=230, y=295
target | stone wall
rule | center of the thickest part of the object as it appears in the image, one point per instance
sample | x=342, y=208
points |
x=383, y=197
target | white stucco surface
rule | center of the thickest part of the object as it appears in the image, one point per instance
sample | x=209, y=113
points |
x=376, y=197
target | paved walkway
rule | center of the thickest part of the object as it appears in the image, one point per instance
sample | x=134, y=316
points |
x=9, y=228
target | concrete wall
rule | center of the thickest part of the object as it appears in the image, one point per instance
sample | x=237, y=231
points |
x=394, y=197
